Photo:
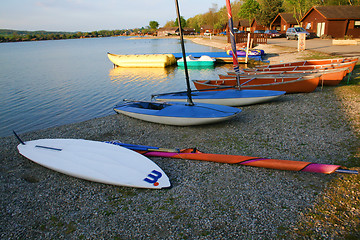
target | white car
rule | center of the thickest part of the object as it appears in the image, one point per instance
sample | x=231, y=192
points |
x=207, y=33
x=294, y=33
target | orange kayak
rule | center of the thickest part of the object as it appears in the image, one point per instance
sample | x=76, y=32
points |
x=289, y=84
x=251, y=161
x=194, y=154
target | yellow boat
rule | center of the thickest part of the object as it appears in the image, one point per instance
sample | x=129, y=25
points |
x=142, y=60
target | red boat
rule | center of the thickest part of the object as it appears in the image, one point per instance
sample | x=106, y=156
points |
x=314, y=62
x=330, y=77
x=305, y=83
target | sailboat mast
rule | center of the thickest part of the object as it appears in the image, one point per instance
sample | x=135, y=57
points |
x=233, y=43
x=190, y=102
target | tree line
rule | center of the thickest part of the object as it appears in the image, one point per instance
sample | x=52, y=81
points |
x=263, y=10
x=7, y=35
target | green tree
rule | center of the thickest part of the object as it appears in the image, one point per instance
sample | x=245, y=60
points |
x=249, y=9
x=195, y=22
x=183, y=22
x=215, y=18
x=269, y=9
x=210, y=18
x=169, y=24
x=153, y=24
x=299, y=7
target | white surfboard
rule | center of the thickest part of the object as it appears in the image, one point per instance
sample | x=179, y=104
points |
x=96, y=161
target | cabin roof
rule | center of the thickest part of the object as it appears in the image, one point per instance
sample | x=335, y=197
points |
x=244, y=23
x=168, y=28
x=336, y=12
x=288, y=17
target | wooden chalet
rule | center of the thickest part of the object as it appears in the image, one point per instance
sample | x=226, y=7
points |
x=247, y=26
x=334, y=21
x=256, y=25
x=283, y=21
x=243, y=25
x=167, y=31
x=188, y=31
x=206, y=29
x=210, y=29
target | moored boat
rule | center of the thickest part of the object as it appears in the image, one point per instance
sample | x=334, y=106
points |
x=203, y=61
x=348, y=65
x=229, y=97
x=251, y=52
x=306, y=83
x=178, y=114
x=329, y=77
x=313, y=62
x=142, y=60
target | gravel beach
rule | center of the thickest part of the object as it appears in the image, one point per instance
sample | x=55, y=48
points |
x=208, y=200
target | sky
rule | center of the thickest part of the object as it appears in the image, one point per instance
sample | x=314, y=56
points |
x=94, y=15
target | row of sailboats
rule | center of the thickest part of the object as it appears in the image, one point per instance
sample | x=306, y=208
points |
x=209, y=106
x=237, y=88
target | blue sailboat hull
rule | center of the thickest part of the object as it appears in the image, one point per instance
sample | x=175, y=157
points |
x=175, y=113
x=230, y=97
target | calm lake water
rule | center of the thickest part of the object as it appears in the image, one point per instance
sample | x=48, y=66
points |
x=50, y=83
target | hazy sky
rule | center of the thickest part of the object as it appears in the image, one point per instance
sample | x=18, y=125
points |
x=92, y=15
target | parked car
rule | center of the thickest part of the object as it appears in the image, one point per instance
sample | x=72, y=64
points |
x=207, y=33
x=239, y=31
x=293, y=33
x=223, y=33
x=259, y=31
x=272, y=33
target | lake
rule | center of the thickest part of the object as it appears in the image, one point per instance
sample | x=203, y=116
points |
x=49, y=83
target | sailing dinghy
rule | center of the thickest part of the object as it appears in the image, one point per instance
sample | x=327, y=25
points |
x=229, y=97
x=179, y=114
x=175, y=113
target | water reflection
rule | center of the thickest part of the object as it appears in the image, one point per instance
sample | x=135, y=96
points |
x=197, y=67
x=119, y=74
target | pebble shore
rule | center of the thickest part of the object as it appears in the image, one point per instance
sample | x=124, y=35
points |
x=208, y=200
